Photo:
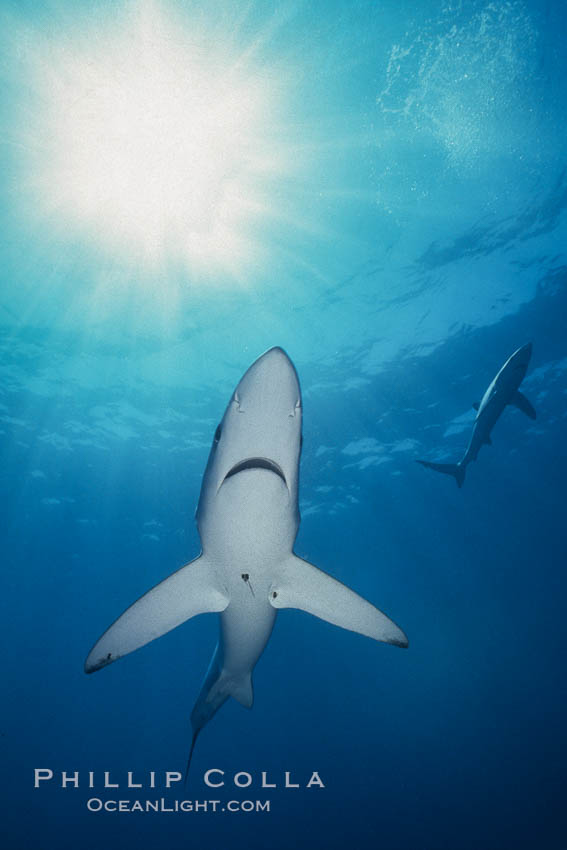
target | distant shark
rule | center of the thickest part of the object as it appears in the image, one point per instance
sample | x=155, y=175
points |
x=247, y=518
x=502, y=391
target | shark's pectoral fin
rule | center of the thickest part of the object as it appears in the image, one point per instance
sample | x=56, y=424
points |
x=192, y=590
x=476, y=405
x=301, y=585
x=521, y=402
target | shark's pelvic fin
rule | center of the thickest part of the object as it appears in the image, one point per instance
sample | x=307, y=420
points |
x=241, y=690
x=301, y=585
x=521, y=402
x=194, y=589
x=217, y=688
x=457, y=470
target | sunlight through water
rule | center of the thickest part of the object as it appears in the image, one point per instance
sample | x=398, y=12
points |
x=150, y=146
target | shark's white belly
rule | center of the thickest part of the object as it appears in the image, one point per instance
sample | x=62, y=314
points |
x=249, y=534
x=244, y=633
x=252, y=527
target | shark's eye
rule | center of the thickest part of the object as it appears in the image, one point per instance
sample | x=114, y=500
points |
x=218, y=433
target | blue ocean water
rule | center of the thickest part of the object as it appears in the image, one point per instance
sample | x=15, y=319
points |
x=402, y=226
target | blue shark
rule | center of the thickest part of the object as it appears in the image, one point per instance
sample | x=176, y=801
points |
x=248, y=519
x=502, y=392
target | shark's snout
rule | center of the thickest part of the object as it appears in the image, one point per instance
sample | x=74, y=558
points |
x=272, y=372
x=274, y=354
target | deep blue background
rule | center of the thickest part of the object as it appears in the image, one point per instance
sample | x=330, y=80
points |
x=438, y=179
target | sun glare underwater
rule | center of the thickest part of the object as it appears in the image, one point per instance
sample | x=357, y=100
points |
x=380, y=189
x=152, y=139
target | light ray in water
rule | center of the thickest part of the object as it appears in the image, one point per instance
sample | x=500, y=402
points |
x=154, y=139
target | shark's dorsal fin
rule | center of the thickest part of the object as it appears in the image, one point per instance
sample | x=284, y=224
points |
x=521, y=402
x=301, y=585
x=194, y=589
x=476, y=405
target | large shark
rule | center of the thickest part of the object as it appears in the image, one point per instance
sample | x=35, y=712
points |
x=503, y=391
x=247, y=518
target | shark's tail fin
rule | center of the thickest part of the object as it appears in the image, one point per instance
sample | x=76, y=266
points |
x=195, y=735
x=457, y=470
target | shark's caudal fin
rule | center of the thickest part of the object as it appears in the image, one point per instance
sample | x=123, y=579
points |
x=192, y=590
x=193, y=742
x=457, y=470
x=212, y=698
x=217, y=687
x=301, y=585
